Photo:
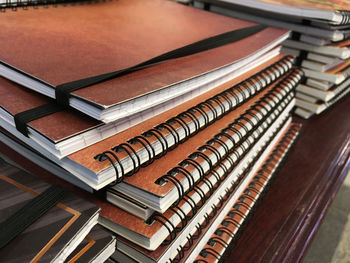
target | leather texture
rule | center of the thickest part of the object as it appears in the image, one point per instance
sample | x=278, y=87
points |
x=59, y=45
x=85, y=156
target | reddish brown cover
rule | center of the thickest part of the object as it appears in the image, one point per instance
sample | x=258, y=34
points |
x=146, y=178
x=66, y=123
x=85, y=156
x=66, y=44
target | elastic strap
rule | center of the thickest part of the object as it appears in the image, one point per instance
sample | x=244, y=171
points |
x=63, y=91
x=21, y=119
x=29, y=213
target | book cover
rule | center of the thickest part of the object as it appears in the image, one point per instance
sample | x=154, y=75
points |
x=54, y=235
x=58, y=40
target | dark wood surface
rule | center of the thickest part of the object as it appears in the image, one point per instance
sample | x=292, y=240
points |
x=290, y=213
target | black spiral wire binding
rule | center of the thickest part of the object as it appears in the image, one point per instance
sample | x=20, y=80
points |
x=232, y=213
x=345, y=17
x=146, y=144
x=217, y=240
x=15, y=4
x=215, y=209
x=108, y=155
x=209, y=251
x=240, y=122
x=278, y=155
x=215, y=106
x=167, y=224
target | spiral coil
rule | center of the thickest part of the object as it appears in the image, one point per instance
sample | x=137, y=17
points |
x=25, y=4
x=217, y=106
x=215, y=209
x=345, y=17
x=265, y=174
x=242, y=123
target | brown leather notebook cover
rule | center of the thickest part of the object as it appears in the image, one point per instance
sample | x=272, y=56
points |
x=250, y=193
x=67, y=123
x=56, y=46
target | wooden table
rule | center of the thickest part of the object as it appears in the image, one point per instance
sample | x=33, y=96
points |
x=290, y=214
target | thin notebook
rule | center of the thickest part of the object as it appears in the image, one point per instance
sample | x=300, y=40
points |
x=334, y=12
x=96, y=247
x=87, y=52
x=53, y=236
x=327, y=19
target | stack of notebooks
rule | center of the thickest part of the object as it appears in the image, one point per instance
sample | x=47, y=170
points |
x=169, y=125
x=68, y=231
x=320, y=40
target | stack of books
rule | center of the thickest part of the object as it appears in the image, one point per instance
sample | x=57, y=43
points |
x=320, y=40
x=173, y=127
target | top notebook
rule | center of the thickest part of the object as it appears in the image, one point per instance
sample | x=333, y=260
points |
x=50, y=47
x=334, y=11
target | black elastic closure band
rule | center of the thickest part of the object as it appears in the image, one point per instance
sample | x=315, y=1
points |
x=21, y=119
x=29, y=213
x=302, y=56
x=63, y=91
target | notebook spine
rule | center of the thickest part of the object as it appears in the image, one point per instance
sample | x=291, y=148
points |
x=231, y=228
x=204, y=197
x=258, y=112
x=176, y=130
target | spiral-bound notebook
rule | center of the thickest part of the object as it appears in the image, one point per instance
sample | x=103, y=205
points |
x=228, y=132
x=334, y=12
x=219, y=238
x=252, y=184
x=313, y=60
x=260, y=120
x=172, y=127
x=67, y=131
x=338, y=50
x=323, y=95
x=86, y=56
x=53, y=236
x=308, y=105
x=159, y=196
x=162, y=225
x=178, y=222
x=327, y=19
x=335, y=75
